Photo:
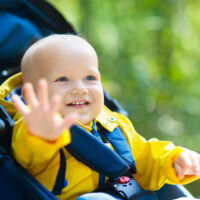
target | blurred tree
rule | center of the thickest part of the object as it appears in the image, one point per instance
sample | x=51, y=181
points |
x=149, y=60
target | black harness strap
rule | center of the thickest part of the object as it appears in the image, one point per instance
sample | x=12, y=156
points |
x=60, y=179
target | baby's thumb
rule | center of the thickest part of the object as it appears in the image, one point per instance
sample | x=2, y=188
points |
x=179, y=170
x=69, y=120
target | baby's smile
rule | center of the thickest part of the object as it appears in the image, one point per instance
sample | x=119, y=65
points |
x=78, y=104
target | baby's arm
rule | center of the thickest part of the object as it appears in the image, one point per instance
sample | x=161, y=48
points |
x=41, y=118
x=187, y=163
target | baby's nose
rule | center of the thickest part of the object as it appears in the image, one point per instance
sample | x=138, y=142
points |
x=79, y=89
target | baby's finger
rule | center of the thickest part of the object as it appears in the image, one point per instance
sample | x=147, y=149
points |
x=195, y=161
x=54, y=104
x=20, y=106
x=43, y=94
x=185, y=162
x=30, y=96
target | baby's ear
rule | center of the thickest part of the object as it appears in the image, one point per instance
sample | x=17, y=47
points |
x=23, y=92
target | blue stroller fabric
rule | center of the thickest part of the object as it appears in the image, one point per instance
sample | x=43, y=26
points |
x=17, y=184
x=17, y=35
x=22, y=22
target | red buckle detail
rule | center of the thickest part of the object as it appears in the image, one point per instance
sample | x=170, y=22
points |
x=123, y=179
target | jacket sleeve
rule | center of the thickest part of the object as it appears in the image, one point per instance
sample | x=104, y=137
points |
x=154, y=159
x=31, y=151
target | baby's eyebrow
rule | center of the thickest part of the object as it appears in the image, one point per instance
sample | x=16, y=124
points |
x=94, y=71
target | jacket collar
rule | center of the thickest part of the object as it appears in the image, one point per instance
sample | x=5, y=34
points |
x=108, y=119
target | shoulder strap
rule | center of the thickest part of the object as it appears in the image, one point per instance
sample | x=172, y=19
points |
x=120, y=144
x=95, y=154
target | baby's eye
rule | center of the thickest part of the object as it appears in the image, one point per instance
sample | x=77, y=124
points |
x=90, y=78
x=61, y=79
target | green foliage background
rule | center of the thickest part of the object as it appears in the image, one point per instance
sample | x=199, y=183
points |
x=149, y=57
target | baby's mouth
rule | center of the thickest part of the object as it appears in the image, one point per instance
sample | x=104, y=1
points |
x=78, y=104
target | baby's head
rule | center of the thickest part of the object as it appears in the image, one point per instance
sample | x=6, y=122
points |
x=70, y=66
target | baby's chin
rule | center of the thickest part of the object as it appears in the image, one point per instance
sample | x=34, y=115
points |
x=87, y=118
x=84, y=120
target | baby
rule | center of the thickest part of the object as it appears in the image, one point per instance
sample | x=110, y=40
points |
x=61, y=86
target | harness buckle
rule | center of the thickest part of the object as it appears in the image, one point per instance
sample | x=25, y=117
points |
x=128, y=189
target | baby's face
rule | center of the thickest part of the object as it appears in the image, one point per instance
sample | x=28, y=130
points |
x=71, y=71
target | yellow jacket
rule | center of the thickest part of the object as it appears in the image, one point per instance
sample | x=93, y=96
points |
x=154, y=159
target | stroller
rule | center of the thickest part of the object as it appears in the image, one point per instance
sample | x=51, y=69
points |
x=22, y=22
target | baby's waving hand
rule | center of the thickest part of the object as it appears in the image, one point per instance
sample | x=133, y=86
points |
x=41, y=116
x=187, y=163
